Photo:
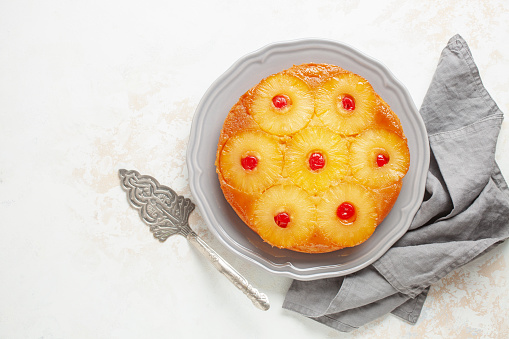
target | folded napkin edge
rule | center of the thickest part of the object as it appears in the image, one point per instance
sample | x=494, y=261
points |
x=383, y=267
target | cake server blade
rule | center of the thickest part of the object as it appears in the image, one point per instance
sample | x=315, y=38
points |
x=167, y=214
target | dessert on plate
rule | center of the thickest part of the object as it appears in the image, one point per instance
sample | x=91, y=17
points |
x=312, y=158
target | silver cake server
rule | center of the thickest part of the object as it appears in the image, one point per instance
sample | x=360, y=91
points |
x=167, y=214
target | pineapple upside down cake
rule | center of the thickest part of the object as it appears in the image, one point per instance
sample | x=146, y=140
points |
x=312, y=158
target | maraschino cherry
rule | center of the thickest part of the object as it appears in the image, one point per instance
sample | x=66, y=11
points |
x=282, y=219
x=249, y=163
x=345, y=211
x=381, y=160
x=348, y=103
x=280, y=101
x=316, y=161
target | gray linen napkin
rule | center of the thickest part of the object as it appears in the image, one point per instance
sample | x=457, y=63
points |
x=464, y=213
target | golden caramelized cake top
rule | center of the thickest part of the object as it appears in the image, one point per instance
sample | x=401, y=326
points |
x=312, y=158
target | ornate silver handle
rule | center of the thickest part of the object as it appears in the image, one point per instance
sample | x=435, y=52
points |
x=260, y=300
x=167, y=214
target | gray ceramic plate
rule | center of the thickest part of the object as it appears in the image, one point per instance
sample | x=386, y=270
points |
x=220, y=217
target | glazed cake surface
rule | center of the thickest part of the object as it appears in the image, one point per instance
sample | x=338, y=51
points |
x=312, y=158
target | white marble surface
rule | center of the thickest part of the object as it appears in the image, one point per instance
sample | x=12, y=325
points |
x=89, y=87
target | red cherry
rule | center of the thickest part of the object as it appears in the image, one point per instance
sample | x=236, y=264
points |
x=381, y=160
x=282, y=219
x=249, y=163
x=280, y=101
x=316, y=161
x=348, y=103
x=345, y=211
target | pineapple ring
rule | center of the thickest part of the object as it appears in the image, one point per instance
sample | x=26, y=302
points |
x=290, y=118
x=330, y=110
x=351, y=232
x=317, y=139
x=363, y=158
x=267, y=151
x=297, y=204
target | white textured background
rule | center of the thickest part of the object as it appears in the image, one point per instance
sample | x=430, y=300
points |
x=89, y=87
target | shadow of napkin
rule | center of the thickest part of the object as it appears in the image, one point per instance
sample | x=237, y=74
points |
x=464, y=213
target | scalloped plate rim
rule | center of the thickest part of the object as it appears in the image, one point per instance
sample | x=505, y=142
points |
x=196, y=172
